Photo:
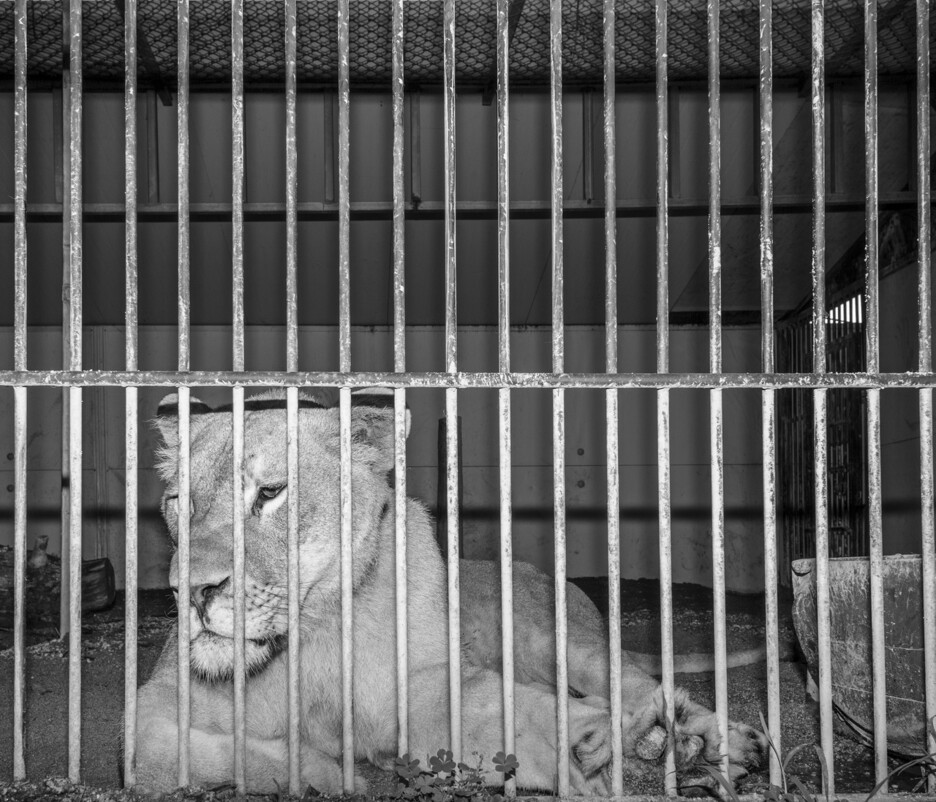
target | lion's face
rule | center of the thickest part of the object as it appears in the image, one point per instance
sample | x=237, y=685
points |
x=264, y=509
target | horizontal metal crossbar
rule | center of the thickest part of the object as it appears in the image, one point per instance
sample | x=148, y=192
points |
x=463, y=380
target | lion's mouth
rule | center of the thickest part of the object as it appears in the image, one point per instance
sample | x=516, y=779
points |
x=212, y=654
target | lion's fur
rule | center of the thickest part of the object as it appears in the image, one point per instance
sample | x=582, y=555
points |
x=375, y=658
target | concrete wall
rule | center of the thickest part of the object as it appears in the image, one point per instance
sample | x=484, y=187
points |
x=532, y=454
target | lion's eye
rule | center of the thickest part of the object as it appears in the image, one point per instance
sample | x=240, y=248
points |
x=265, y=494
x=270, y=492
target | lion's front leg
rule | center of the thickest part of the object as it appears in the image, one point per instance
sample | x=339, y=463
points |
x=536, y=737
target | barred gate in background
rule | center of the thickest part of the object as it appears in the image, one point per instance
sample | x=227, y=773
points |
x=818, y=381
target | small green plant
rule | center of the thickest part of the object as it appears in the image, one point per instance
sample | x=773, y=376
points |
x=447, y=781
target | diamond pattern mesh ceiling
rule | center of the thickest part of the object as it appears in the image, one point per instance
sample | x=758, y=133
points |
x=475, y=27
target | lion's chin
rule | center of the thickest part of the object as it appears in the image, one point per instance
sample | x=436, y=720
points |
x=212, y=655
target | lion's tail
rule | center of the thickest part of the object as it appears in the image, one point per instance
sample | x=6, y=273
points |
x=702, y=662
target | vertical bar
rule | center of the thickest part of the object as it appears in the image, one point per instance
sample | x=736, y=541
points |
x=292, y=556
x=715, y=396
x=399, y=365
x=237, y=264
x=415, y=149
x=451, y=365
x=924, y=258
x=131, y=497
x=663, y=405
x=768, y=399
x=588, y=150
x=611, y=399
x=347, y=649
x=19, y=393
x=238, y=583
x=344, y=337
x=875, y=522
x=556, y=205
x=818, y=91
x=292, y=403
x=184, y=396
x=503, y=364
x=74, y=393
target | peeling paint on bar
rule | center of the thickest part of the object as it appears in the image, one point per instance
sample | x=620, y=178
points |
x=771, y=601
x=924, y=257
x=19, y=394
x=562, y=623
x=344, y=191
x=292, y=405
x=184, y=225
x=399, y=364
x=347, y=608
x=503, y=395
x=875, y=520
x=611, y=400
x=448, y=155
x=238, y=587
x=666, y=581
x=463, y=380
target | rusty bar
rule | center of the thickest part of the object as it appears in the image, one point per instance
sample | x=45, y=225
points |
x=184, y=225
x=19, y=394
x=184, y=506
x=611, y=401
x=344, y=199
x=131, y=428
x=768, y=401
x=503, y=395
x=74, y=395
x=237, y=178
x=415, y=133
x=715, y=365
x=399, y=364
x=448, y=105
x=292, y=579
x=817, y=94
x=875, y=521
x=663, y=406
x=239, y=588
x=558, y=349
x=924, y=258
x=292, y=406
x=292, y=194
x=347, y=579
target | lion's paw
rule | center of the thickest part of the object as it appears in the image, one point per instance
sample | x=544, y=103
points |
x=590, y=744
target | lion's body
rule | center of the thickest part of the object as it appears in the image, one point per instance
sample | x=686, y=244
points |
x=375, y=652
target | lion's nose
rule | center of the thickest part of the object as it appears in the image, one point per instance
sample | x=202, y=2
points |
x=200, y=595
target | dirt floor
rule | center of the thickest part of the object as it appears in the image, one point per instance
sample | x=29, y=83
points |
x=103, y=682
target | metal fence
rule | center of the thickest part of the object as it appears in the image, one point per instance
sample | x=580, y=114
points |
x=818, y=381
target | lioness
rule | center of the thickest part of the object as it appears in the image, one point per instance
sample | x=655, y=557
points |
x=264, y=513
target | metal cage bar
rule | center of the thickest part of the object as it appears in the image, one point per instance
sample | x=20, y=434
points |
x=344, y=361
x=925, y=365
x=237, y=501
x=503, y=395
x=716, y=409
x=184, y=397
x=292, y=405
x=818, y=91
x=451, y=362
x=768, y=402
x=611, y=401
x=558, y=349
x=19, y=393
x=399, y=364
x=875, y=520
x=75, y=393
x=131, y=427
x=663, y=400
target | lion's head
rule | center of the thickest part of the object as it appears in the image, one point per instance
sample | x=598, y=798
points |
x=264, y=511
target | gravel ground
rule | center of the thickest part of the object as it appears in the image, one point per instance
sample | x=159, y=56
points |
x=103, y=684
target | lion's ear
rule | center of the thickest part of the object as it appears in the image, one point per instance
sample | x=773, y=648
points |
x=372, y=436
x=167, y=418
